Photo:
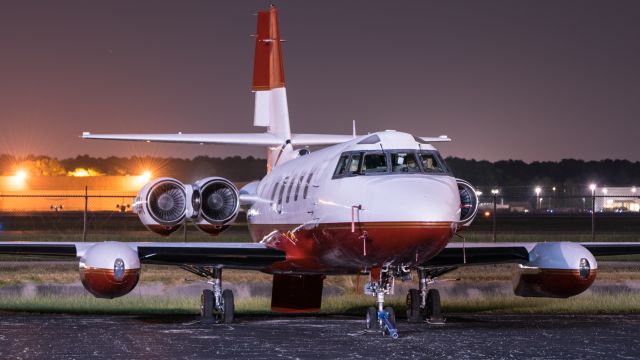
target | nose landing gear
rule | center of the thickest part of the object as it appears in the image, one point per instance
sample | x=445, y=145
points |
x=382, y=318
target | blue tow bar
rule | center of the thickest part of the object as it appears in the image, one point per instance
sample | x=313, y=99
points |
x=386, y=323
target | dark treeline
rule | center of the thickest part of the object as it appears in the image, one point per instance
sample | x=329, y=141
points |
x=235, y=168
x=566, y=173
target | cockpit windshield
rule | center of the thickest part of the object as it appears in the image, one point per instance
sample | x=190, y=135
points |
x=374, y=163
x=404, y=162
x=356, y=163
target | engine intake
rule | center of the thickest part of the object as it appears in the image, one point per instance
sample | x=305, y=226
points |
x=164, y=204
x=219, y=204
x=468, y=202
x=557, y=270
x=161, y=205
x=109, y=270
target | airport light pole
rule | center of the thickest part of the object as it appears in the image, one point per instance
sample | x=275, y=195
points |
x=538, y=190
x=592, y=187
x=495, y=193
x=84, y=215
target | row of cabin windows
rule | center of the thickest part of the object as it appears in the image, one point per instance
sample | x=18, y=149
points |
x=290, y=181
x=390, y=162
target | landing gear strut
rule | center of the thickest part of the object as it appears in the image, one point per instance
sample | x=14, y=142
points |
x=215, y=304
x=382, y=318
x=423, y=303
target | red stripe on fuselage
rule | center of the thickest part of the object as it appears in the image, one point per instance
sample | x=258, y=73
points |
x=332, y=248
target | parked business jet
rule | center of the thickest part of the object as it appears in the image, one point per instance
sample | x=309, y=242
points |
x=383, y=204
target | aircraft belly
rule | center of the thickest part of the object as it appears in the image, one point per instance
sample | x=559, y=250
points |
x=336, y=248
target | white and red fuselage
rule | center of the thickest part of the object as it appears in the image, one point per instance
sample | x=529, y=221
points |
x=328, y=222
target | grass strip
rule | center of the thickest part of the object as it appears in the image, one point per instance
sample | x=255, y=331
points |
x=593, y=303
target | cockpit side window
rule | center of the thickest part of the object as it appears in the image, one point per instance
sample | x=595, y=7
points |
x=404, y=162
x=374, y=163
x=354, y=163
x=341, y=169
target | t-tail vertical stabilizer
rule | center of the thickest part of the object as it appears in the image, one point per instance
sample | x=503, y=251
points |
x=271, y=109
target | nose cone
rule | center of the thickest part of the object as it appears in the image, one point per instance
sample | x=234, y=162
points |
x=413, y=198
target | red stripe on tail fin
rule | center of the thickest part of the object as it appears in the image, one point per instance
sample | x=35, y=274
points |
x=268, y=71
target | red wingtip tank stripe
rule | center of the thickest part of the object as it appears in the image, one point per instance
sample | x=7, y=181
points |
x=268, y=71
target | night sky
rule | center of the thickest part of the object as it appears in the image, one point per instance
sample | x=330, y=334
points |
x=530, y=80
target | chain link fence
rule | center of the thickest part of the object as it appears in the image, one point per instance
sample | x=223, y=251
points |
x=508, y=214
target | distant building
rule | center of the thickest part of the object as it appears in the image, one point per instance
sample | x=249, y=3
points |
x=66, y=193
x=617, y=199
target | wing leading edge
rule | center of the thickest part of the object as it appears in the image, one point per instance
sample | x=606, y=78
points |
x=231, y=255
x=459, y=254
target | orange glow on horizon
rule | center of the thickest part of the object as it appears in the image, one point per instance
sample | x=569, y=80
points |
x=83, y=172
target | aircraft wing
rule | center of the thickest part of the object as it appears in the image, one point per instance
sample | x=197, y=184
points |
x=231, y=255
x=459, y=254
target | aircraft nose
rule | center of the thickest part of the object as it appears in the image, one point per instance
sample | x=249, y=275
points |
x=423, y=198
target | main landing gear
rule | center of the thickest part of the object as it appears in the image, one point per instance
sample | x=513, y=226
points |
x=381, y=318
x=216, y=305
x=424, y=304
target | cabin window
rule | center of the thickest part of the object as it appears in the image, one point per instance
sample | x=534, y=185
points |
x=295, y=197
x=404, y=162
x=306, y=186
x=341, y=169
x=273, y=192
x=374, y=163
x=280, y=196
x=290, y=188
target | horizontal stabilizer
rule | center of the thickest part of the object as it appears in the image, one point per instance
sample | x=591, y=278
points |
x=263, y=139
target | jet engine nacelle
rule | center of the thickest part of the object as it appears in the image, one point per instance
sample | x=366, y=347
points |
x=557, y=270
x=161, y=205
x=468, y=202
x=164, y=204
x=218, y=202
x=110, y=269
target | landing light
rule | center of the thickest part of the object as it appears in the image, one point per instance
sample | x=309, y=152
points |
x=487, y=214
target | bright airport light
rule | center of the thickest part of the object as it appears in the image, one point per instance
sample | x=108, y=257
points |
x=633, y=190
x=592, y=187
x=605, y=191
x=495, y=191
x=538, y=190
x=21, y=175
x=146, y=176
